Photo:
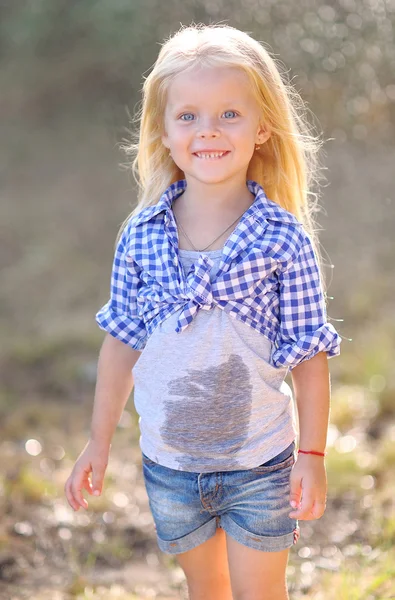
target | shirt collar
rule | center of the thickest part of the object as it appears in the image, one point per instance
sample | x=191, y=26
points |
x=262, y=209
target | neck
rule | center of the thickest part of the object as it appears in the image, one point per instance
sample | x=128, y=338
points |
x=229, y=197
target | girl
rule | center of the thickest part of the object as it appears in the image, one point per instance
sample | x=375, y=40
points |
x=216, y=293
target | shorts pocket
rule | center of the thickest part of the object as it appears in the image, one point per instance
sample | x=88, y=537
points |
x=265, y=468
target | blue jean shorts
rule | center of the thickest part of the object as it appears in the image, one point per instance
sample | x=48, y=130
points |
x=252, y=505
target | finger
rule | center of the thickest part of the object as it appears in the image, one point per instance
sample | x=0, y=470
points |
x=295, y=493
x=304, y=511
x=80, y=498
x=69, y=495
x=308, y=514
x=97, y=480
x=76, y=489
x=319, y=509
x=87, y=485
x=301, y=515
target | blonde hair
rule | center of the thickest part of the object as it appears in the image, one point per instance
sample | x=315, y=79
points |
x=286, y=166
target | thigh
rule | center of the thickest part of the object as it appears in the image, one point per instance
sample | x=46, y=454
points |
x=257, y=575
x=206, y=569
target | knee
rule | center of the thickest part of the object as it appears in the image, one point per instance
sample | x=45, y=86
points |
x=215, y=588
x=272, y=592
x=209, y=594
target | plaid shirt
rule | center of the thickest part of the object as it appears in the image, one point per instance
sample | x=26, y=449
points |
x=268, y=278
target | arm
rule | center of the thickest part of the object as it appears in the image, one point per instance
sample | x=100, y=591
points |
x=121, y=348
x=311, y=383
x=113, y=387
x=305, y=342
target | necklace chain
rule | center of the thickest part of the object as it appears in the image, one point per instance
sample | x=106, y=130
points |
x=217, y=238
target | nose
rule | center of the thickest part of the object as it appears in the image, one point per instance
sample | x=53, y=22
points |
x=208, y=129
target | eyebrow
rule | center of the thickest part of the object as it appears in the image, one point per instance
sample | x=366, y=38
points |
x=178, y=107
x=181, y=106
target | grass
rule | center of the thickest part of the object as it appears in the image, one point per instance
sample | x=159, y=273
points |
x=25, y=485
x=368, y=578
x=352, y=404
x=343, y=471
x=81, y=589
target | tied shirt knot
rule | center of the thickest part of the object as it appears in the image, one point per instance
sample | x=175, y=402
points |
x=198, y=292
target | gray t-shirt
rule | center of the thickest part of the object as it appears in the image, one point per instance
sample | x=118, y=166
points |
x=208, y=398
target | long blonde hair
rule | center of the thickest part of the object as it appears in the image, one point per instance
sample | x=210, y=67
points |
x=287, y=164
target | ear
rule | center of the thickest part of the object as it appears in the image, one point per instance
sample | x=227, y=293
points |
x=164, y=136
x=263, y=134
x=165, y=140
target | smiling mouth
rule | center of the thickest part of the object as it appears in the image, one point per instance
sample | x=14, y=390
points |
x=211, y=155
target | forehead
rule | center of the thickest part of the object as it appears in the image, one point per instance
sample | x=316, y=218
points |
x=209, y=84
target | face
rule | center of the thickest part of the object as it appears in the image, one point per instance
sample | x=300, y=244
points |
x=212, y=123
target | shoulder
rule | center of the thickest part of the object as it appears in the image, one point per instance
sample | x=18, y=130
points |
x=145, y=215
x=273, y=212
x=284, y=232
x=136, y=227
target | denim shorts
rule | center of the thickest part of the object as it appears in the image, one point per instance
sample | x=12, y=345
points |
x=252, y=505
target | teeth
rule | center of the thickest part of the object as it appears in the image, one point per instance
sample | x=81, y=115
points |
x=210, y=154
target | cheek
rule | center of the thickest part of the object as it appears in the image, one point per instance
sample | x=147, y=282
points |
x=179, y=138
x=246, y=133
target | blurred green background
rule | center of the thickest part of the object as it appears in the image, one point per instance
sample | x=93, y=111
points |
x=70, y=75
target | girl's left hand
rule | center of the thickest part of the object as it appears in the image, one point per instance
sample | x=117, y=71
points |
x=308, y=487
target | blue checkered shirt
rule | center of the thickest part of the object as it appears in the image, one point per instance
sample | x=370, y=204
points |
x=268, y=278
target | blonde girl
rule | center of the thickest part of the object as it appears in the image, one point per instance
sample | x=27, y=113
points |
x=216, y=294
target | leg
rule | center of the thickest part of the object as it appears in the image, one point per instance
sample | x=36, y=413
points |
x=206, y=569
x=257, y=575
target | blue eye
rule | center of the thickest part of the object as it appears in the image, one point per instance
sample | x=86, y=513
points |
x=186, y=115
x=232, y=112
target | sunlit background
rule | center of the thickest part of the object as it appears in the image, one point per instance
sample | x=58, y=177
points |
x=70, y=79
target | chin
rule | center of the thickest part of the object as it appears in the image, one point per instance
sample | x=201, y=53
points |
x=210, y=178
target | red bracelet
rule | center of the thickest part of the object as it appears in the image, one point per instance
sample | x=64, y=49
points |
x=311, y=452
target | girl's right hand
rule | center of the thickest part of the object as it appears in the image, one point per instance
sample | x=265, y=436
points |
x=93, y=459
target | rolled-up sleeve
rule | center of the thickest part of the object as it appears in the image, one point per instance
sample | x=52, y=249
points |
x=119, y=315
x=303, y=328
